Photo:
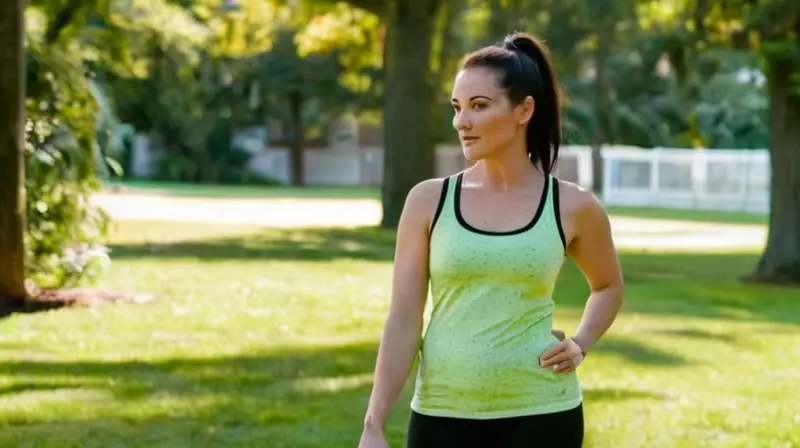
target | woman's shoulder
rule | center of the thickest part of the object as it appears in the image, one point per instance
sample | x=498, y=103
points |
x=425, y=195
x=574, y=199
x=427, y=190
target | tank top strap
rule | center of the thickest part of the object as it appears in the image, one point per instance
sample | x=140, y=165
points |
x=444, y=210
x=554, y=207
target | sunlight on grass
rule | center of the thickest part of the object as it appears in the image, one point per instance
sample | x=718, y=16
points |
x=266, y=337
x=281, y=192
x=690, y=215
x=244, y=191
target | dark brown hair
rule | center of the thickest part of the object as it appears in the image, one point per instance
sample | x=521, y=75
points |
x=525, y=70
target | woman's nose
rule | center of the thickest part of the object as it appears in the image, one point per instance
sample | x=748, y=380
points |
x=461, y=121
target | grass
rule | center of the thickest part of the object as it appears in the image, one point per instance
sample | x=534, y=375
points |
x=691, y=215
x=280, y=192
x=245, y=191
x=268, y=338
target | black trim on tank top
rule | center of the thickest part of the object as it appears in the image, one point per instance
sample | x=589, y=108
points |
x=466, y=225
x=557, y=213
x=440, y=206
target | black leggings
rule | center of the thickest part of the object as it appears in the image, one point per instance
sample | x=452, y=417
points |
x=556, y=430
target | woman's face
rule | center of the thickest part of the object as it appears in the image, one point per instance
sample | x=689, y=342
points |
x=485, y=119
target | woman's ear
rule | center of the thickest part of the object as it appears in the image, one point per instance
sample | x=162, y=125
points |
x=525, y=110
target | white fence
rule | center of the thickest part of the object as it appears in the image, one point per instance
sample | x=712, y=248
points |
x=730, y=180
x=364, y=166
x=733, y=180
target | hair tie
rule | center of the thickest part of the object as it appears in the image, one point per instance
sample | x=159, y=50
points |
x=508, y=43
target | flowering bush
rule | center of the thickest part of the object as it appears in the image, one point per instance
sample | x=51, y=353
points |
x=65, y=231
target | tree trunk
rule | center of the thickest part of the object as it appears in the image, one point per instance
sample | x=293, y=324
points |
x=444, y=64
x=780, y=262
x=12, y=171
x=408, y=154
x=296, y=146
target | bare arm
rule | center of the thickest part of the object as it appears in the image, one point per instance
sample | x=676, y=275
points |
x=592, y=249
x=403, y=329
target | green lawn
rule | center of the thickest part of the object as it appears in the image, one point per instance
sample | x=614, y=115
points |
x=690, y=215
x=245, y=191
x=267, y=338
x=272, y=192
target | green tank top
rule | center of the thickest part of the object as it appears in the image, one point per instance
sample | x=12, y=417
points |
x=491, y=315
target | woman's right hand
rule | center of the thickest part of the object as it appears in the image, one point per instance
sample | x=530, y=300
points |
x=372, y=438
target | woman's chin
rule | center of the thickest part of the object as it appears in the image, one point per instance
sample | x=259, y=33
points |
x=471, y=154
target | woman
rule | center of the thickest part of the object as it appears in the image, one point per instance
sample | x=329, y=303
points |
x=491, y=240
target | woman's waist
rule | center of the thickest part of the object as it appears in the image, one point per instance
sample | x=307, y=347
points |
x=484, y=329
x=502, y=370
x=495, y=347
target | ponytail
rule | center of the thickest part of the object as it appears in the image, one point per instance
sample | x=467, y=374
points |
x=526, y=70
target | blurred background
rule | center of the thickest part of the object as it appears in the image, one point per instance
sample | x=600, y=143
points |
x=197, y=226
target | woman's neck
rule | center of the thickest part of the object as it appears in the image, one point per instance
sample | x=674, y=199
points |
x=510, y=169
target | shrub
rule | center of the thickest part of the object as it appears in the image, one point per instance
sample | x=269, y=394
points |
x=65, y=231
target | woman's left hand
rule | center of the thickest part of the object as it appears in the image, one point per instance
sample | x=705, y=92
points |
x=563, y=357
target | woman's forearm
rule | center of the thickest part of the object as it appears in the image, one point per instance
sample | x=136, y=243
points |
x=398, y=348
x=601, y=309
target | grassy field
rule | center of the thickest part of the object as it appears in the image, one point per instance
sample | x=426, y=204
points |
x=241, y=191
x=690, y=215
x=269, y=192
x=268, y=338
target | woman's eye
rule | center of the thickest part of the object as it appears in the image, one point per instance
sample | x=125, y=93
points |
x=478, y=107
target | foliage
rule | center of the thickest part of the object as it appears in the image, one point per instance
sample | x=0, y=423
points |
x=354, y=35
x=228, y=66
x=65, y=231
x=181, y=85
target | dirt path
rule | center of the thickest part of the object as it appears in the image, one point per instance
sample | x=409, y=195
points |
x=655, y=234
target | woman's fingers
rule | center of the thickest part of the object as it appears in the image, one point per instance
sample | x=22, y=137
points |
x=558, y=358
x=555, y=354
x=564, y=367
x=562, y=357
x=568, y=366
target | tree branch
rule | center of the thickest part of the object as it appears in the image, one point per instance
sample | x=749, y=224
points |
x=62, y=19
x=377, y=7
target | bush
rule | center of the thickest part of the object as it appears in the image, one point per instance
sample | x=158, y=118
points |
x=65, y=232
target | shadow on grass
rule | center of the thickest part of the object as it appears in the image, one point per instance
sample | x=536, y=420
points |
x=217, y=374
x=689, y=215
x=704, y=285
x=316, y=244
x=700, y=285
x=636, y=353
x=301, y=398
x=238, y=191
x=22, y=387
x=596, y=395
x=297, y=399
x=695, y=333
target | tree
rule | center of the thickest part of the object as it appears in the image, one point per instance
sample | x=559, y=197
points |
x=297, y=77
x=780, y=261
x=12, y=174
x=772, y=27
x=769, y=29
x=408, y=151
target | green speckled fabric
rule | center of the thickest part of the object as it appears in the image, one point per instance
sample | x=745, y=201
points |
x=490, y=317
